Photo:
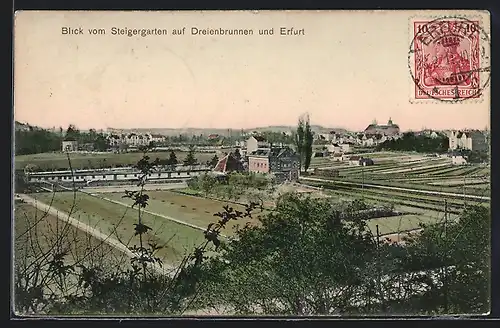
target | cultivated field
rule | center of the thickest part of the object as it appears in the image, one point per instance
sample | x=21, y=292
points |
x=37, y=233
x=88, y=160
x=191, y=209
x=118, y=221
x=414, y=171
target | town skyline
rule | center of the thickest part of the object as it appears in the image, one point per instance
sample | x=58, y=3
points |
x=343, y=80
x=323, y=126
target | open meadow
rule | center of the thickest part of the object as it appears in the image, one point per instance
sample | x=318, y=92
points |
x=96, y=160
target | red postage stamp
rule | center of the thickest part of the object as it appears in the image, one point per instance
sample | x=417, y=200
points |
x=446, y=59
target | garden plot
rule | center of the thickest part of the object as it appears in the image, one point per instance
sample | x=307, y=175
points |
x=463, y=170
x=458, y=182
x=415, y=168
x=191, y=209
x=452, y=170
x=397, y=224
x=118, y=221
x=482, y=187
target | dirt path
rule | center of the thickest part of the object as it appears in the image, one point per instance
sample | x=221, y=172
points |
x=164, y=269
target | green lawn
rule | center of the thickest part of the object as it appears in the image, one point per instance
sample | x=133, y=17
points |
x=397, y=224
x=80, y=160
x=119, y=221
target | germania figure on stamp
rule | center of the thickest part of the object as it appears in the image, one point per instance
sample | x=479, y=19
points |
x=447, y=65
x=446, y=59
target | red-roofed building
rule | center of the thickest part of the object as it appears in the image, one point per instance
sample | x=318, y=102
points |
x=229, y=163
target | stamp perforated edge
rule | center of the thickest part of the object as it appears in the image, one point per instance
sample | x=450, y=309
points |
x=487, y=55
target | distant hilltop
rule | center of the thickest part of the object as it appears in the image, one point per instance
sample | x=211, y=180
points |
x=223, y=132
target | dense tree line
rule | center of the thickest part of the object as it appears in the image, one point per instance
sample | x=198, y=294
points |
x=36, y=141
x=97, y=141
x=419, y=143
x=302, y=259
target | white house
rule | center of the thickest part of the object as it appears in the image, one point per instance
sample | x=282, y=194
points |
x=471, y=140
x=355, y=160
x=334, y=148
x=367, y=141
x=239, y=143
x=69, y=145
x=345, y=147
x=256, y=142
x=156, y=138
x=133, y=139
x=114, y=139
x=337, y=157
x=458, y=160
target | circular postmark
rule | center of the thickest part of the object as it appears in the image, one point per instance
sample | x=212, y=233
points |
x=449, y=59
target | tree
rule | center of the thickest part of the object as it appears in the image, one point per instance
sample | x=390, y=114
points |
x=172, y=159
x=36, y=141
x=304, y=141
x=207, y=183
x=190, y=158
x=100, y=142
x=237, y=154
x=213, y=162
x=72, y=133
x=293, y=262
x=457, y=255
x=299, y=141
x=308, y=142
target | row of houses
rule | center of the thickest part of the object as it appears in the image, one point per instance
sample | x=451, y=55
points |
x=134, y=139
x=468, y=139
x=352, y=159
x=115, y=140
x=374, y=130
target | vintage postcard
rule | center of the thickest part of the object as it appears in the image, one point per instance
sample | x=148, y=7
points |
x=293, y=163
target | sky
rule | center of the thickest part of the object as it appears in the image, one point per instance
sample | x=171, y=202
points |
x=348, y=69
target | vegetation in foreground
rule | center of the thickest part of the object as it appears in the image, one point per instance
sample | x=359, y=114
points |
x=307, y=257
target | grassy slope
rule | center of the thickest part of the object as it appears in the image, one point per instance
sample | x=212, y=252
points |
x=36, y=232
x=119, y=221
